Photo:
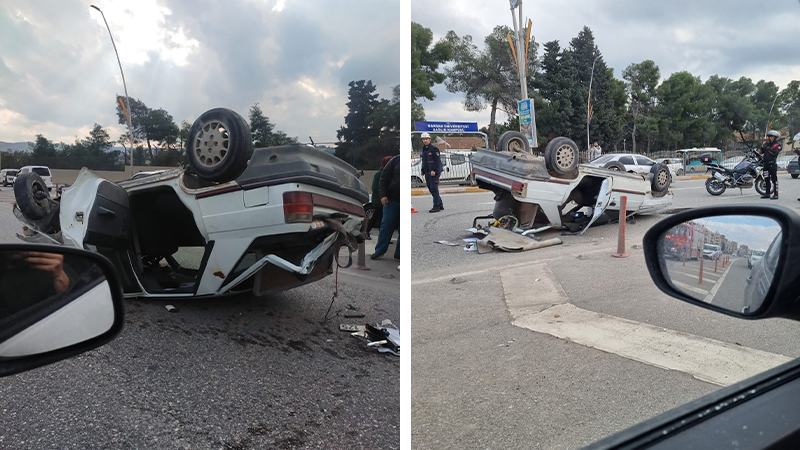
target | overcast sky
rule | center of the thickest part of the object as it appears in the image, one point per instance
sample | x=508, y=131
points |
x=731, y=38
x=59, y=75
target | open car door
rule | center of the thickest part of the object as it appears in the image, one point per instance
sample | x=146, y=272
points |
x=603, y=198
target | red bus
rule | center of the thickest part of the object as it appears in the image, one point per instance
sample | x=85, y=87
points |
x=684, y=238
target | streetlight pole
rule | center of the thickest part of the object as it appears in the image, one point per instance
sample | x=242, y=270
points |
x=589, y=105
x=125, y=86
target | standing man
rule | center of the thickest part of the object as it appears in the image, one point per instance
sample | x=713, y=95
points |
x=432, y=169
x=390, y=199
x=770, y=150
x=594, y=152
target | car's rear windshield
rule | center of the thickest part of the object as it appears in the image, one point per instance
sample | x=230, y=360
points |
x=11, y=172
x=41, y=171
x=758, y=253
x=603, y=159
x=712, y=247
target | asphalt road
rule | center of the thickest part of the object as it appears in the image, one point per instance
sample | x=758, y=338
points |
x=482, y=378
x=230, y=373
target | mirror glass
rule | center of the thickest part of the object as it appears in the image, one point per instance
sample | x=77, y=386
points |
x=728, y=261
x=50, y=300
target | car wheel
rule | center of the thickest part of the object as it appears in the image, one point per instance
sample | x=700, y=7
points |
x=615, y=166
x=416, y=182
x=32, y=196
x=714, y=186
x=795, y=175
x=659, y=183
x=513, y=141
x=561, y=156
x=219, y=145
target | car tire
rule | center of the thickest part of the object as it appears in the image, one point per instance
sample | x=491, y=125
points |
x=660, y=181
x=416, y=182
x=561, y=157
x=795, y=175
x=32, y=196
x=714, y=186
x=513, y=141
x=219, y=145
x=615, y=166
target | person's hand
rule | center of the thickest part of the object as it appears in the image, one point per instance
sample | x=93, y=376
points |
x=433, y=173
x=53, y=264
x=384, y=201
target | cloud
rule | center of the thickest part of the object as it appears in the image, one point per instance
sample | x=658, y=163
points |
x=58, y=72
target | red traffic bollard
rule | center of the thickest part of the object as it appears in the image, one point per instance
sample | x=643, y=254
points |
x=623, y=203
x=715, y=264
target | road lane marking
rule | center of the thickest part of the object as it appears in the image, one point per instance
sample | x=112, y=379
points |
x=714, y=290
x=689, y=287
x=543, y=307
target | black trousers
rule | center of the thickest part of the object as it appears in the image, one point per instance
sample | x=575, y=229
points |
x=771, y=169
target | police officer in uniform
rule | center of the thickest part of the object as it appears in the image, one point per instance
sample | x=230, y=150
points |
x=432, y=169
x=770, y=150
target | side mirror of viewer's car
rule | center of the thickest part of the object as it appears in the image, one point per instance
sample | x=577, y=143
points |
x=739, y=282
x=55, y=302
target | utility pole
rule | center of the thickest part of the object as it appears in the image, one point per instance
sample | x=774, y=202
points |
x=519, y=47
x=589, y=104
x=127, y=109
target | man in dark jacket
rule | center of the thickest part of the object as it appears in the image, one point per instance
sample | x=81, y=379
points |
x=432, y=169
x=390, y=199
x=377, y=207
x=770, y=150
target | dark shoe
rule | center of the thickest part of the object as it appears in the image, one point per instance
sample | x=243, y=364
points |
x=774, y=197
x=367, y=236
x=375, y=255
x=765, y=196
x=396, y=258
x=435, y=210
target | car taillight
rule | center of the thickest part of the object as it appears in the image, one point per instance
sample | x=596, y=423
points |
x=516, y=186
x=297, y=207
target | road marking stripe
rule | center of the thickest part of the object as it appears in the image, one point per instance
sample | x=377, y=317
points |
x=695, y=275
x=714, y=290
x=548, y=311
x=689, y=287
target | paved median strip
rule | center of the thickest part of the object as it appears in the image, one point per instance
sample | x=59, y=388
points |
x=549, y=311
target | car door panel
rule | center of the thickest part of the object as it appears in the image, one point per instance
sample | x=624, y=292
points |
x=758, y=413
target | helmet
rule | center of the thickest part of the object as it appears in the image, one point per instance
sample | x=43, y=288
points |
x=774, y=133
x=425, y=135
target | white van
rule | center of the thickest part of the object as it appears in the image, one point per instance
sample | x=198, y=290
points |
x=42, y=171
x=456, y=168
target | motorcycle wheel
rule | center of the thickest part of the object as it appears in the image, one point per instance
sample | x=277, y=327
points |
x=714, y=186
x=761, y=186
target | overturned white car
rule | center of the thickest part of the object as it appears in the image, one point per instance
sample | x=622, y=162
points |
x=554, y=191
x=221, y=225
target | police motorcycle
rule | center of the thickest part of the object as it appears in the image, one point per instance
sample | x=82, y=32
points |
x=748, y=173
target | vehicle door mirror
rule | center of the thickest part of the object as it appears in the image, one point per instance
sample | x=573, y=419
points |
x=730, y=282
x=55, y=302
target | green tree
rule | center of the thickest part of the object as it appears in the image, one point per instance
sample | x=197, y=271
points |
x=684, y=110
x=488, y=77
x=372, y=126
x=789, y=102
x=264, y=132
x=642, y=81
x=183, y=134
x=149, y=125
x=555, y=83
x=42, y=147
x=425, y=62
